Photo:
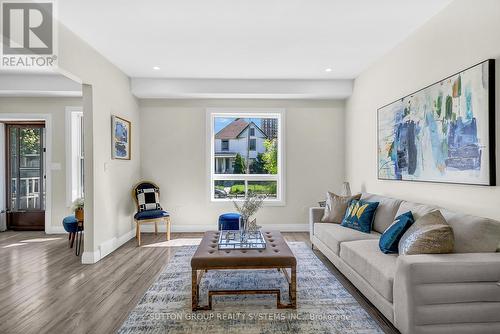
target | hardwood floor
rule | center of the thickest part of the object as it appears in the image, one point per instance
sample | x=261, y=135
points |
x=45, y=289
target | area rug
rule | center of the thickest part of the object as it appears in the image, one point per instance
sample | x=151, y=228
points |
x=323, y=304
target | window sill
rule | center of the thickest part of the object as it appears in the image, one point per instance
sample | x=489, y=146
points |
x=268, y=203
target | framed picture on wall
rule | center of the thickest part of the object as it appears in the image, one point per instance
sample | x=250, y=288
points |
x=120, y=138
x=443, y=133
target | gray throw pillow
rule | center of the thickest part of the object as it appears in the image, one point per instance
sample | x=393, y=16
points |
x=335, y=207
x=430, y=234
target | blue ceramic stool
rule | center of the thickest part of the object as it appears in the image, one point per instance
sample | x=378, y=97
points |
x=229, y=221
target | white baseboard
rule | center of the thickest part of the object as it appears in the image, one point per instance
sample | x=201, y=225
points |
x=106, y=248
x=90, y=257
x=210, y=227
x=111, y=245
x=55, y=230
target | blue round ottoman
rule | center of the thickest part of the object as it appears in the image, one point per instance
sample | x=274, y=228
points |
x=229, y=221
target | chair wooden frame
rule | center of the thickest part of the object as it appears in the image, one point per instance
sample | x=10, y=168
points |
x=138, y=223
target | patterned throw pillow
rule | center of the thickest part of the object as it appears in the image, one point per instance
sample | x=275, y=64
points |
x=389, y=240
x=336, y=206
x=149, y=199
x=430, y=234
x=359, y=215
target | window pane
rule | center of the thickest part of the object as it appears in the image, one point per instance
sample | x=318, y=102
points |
x=229, y=189
x=245, y=145
x=253, y=144
x=268, y=188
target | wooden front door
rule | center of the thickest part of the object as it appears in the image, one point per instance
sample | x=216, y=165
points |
x=25, y=176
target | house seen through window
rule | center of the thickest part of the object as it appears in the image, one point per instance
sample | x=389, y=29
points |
x=246, y=155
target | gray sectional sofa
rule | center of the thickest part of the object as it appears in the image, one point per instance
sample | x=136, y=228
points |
x=432, y=293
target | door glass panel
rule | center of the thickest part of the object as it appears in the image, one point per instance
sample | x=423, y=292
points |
x=29, y=169
x=13, y=167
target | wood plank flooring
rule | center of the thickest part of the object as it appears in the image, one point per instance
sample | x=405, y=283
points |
x=45, y=289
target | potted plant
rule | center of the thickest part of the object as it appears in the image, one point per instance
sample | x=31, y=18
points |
x=249, y=207
x=78, y=209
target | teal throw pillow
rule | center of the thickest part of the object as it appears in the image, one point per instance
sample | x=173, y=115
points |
x=359, y=215
x=389, y=240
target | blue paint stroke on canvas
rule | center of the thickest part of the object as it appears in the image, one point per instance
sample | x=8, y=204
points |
x=439, y=133
x=121, y=133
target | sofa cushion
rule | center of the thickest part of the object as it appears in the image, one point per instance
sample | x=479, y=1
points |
x=377, y=268
x=417, y=209
x=386, y=211
x=473, y=234
x=389, y=240
x=430, y=234
x=335, y=207
x=359, y=215
x=333, y=235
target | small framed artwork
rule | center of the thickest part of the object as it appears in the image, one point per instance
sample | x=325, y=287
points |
x=120, y=138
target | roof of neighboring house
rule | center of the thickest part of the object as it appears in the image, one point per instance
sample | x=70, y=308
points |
x=234, y=129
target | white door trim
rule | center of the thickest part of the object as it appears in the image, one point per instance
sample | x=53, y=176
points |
x=48, y=159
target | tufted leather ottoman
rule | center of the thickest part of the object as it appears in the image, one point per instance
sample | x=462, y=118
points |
x=277, y=255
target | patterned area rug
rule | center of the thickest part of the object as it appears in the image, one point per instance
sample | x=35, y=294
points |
x=324, y=305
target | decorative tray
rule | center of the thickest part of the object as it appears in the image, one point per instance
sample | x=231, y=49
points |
x=233, y=240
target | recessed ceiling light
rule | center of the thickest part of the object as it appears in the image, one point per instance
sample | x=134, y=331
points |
x=328, y=70
x=156, y=68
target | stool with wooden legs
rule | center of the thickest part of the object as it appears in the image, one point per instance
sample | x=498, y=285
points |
x=147, y=198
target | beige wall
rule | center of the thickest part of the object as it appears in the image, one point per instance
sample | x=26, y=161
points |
x=173, y=154
x=54, y=106
x=109, y=207
x=463, y=34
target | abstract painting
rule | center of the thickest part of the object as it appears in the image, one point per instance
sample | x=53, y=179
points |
x=120, y=138
x=442, y=133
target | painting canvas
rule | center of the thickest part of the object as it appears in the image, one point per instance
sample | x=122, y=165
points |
x=442, y=133
x=120, y=138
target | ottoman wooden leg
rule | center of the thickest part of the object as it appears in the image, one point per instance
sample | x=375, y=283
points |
x=293, y=288
x=194, y=289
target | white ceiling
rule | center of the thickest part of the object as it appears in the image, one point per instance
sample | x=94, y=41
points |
x=280, y=39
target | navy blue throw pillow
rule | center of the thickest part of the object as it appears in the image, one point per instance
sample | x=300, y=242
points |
x=389, y=240
x=359, y=215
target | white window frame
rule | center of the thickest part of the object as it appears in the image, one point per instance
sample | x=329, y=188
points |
x=74, y=185
x=211, y=114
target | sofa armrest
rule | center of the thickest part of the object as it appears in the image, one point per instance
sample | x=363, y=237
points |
x=460, y=291
x=315, y=215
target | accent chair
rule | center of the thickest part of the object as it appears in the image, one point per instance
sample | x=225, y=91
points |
x=146, y=195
